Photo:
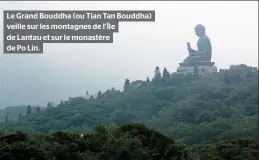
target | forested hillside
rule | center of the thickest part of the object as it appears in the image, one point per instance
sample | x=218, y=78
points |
x=128, y=142
x=190, y=109
x=13, y=112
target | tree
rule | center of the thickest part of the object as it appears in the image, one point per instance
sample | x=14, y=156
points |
x=20, y=116
x=6, y=117
x=122, y=116
x=126, y=84
x=166, y=75
x=157, y=76
x=37, y=109
x=112, y=89
x=50, y=105
x=99, y=94
x=147, y=80
x=28, y=110
x=87, y=95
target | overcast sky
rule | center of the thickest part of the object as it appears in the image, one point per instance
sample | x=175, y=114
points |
x=70, y=69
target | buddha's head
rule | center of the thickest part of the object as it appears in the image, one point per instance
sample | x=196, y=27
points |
x=199, y=30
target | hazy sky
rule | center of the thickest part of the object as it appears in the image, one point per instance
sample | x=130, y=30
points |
x=70, y=69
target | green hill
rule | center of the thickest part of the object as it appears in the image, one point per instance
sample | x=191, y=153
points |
x=13, y=112
x=127, y=142
x=190, y=109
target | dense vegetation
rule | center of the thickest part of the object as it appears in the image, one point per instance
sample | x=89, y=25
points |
x=190, y=109
x=128, y=142
x=12, y=113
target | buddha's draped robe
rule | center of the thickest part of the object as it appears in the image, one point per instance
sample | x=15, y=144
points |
x=204, y=51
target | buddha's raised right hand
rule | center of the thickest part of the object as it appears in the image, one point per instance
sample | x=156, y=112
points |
x=188, y=46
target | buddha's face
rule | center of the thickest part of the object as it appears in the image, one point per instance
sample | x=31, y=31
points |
x=199, y=32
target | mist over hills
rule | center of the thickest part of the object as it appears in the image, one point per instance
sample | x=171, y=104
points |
x=69, y=69
x=165, y=117
x=188, y=108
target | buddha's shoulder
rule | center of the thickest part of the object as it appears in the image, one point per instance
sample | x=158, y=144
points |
x=205, y=38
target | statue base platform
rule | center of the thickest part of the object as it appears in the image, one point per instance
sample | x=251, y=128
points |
x=200, y=68
x=199, y=63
